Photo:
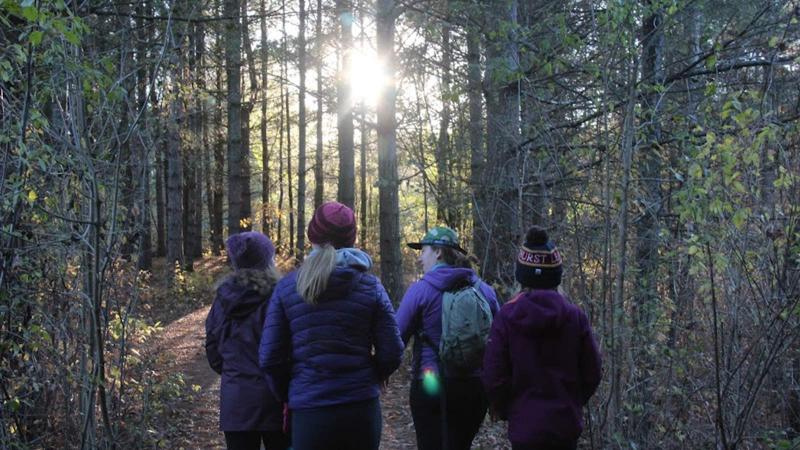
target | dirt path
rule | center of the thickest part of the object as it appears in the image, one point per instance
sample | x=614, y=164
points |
x=196, y=419
x=197, y=416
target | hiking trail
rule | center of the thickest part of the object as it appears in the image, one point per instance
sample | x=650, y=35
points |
x=196, y=419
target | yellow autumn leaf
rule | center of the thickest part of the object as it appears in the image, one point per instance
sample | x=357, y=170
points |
x=32, y=196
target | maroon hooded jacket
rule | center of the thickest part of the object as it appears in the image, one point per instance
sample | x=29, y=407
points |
x=540, y=368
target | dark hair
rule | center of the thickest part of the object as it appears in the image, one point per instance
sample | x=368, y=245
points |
x=455, y=258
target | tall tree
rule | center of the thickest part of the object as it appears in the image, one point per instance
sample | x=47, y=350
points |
x=319, y=180
x=266, y=220
x=143, y=140
x=391, y=258
x=236, y=155
x=502, y=111
x=444, y=202
x=301, y=136
x=174, y=191
x=476, y=130
x=344, y=102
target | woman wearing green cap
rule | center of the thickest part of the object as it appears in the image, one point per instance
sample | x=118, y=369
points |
x=446, y=411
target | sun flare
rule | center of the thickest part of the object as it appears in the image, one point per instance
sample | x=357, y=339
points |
x=367, y=77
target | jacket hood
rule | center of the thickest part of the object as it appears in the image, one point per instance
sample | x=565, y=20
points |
x=448, y=278
x=245, y=290
x=538, y=312
x=351, y=265
x=353, y=257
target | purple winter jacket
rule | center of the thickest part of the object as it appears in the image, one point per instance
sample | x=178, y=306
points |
x=540, y=368
x=233, y=331
x=422, y=307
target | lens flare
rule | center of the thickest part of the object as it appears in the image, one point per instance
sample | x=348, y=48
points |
x=430, y=382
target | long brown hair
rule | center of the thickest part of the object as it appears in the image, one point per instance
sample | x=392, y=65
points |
x=455, y=258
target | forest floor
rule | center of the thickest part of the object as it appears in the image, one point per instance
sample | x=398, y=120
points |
x=195, y=418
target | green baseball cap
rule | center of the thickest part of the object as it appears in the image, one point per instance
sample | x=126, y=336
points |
x=439, y=237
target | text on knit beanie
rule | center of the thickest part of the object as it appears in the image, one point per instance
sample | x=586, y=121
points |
x=538, y=261
x=333, y=223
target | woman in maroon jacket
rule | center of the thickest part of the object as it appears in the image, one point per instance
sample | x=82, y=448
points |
x=541, y=364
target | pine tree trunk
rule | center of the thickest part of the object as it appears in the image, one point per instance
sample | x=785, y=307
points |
x=247, y=205
x=443, y=170
x=289, y=184
x=200, y=110
x=143, y=175
x=266, y=213
x=363, y=173
x=502, y=111
x=346, y=193
x=648, y=226
x=363, y=152
x=174, y=184
x=477, y=152
x=161, y=178
x=319, y=180
x=219, y=178
x=301, y=137
x=233, y=62
x=391, y=258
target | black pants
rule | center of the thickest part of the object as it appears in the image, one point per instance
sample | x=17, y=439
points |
x=465, y=409
x=543, y=447
x=251, y=440
x=349, y=426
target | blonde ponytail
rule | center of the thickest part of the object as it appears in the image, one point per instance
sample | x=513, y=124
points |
x=312, y=277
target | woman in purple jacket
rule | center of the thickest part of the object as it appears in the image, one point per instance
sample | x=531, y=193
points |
x=249, y=413
x=541, y=364
x=446, y=268
x=330, y=339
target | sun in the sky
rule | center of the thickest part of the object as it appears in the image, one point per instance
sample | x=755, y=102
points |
x=367, y=76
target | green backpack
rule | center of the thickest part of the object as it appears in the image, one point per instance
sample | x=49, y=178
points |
x=466, y=320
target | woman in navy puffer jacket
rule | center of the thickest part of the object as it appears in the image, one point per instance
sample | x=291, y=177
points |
x=249, y=413
x=331, y=339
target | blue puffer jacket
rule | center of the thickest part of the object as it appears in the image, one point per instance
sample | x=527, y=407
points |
x=337, y=351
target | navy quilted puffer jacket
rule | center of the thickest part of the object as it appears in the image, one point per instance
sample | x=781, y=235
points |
x=337, y=351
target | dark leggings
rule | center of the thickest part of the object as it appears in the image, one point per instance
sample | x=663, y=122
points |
x=465, y=409
x=251, y=440
x=543, y=447
x=349, y=426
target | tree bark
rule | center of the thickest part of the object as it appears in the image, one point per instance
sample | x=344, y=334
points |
x=648, y=227
x=391, y=258
x=247, y=205
x=502, y=212
x=143, y=175
x=344, y=102
x=265, y=149
x=174, y=184
x=160, y=144
x=217, y=227
x=301, y=136
x=444, y=200
x=319, y=180
x=233, y=62
x=476, y=130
